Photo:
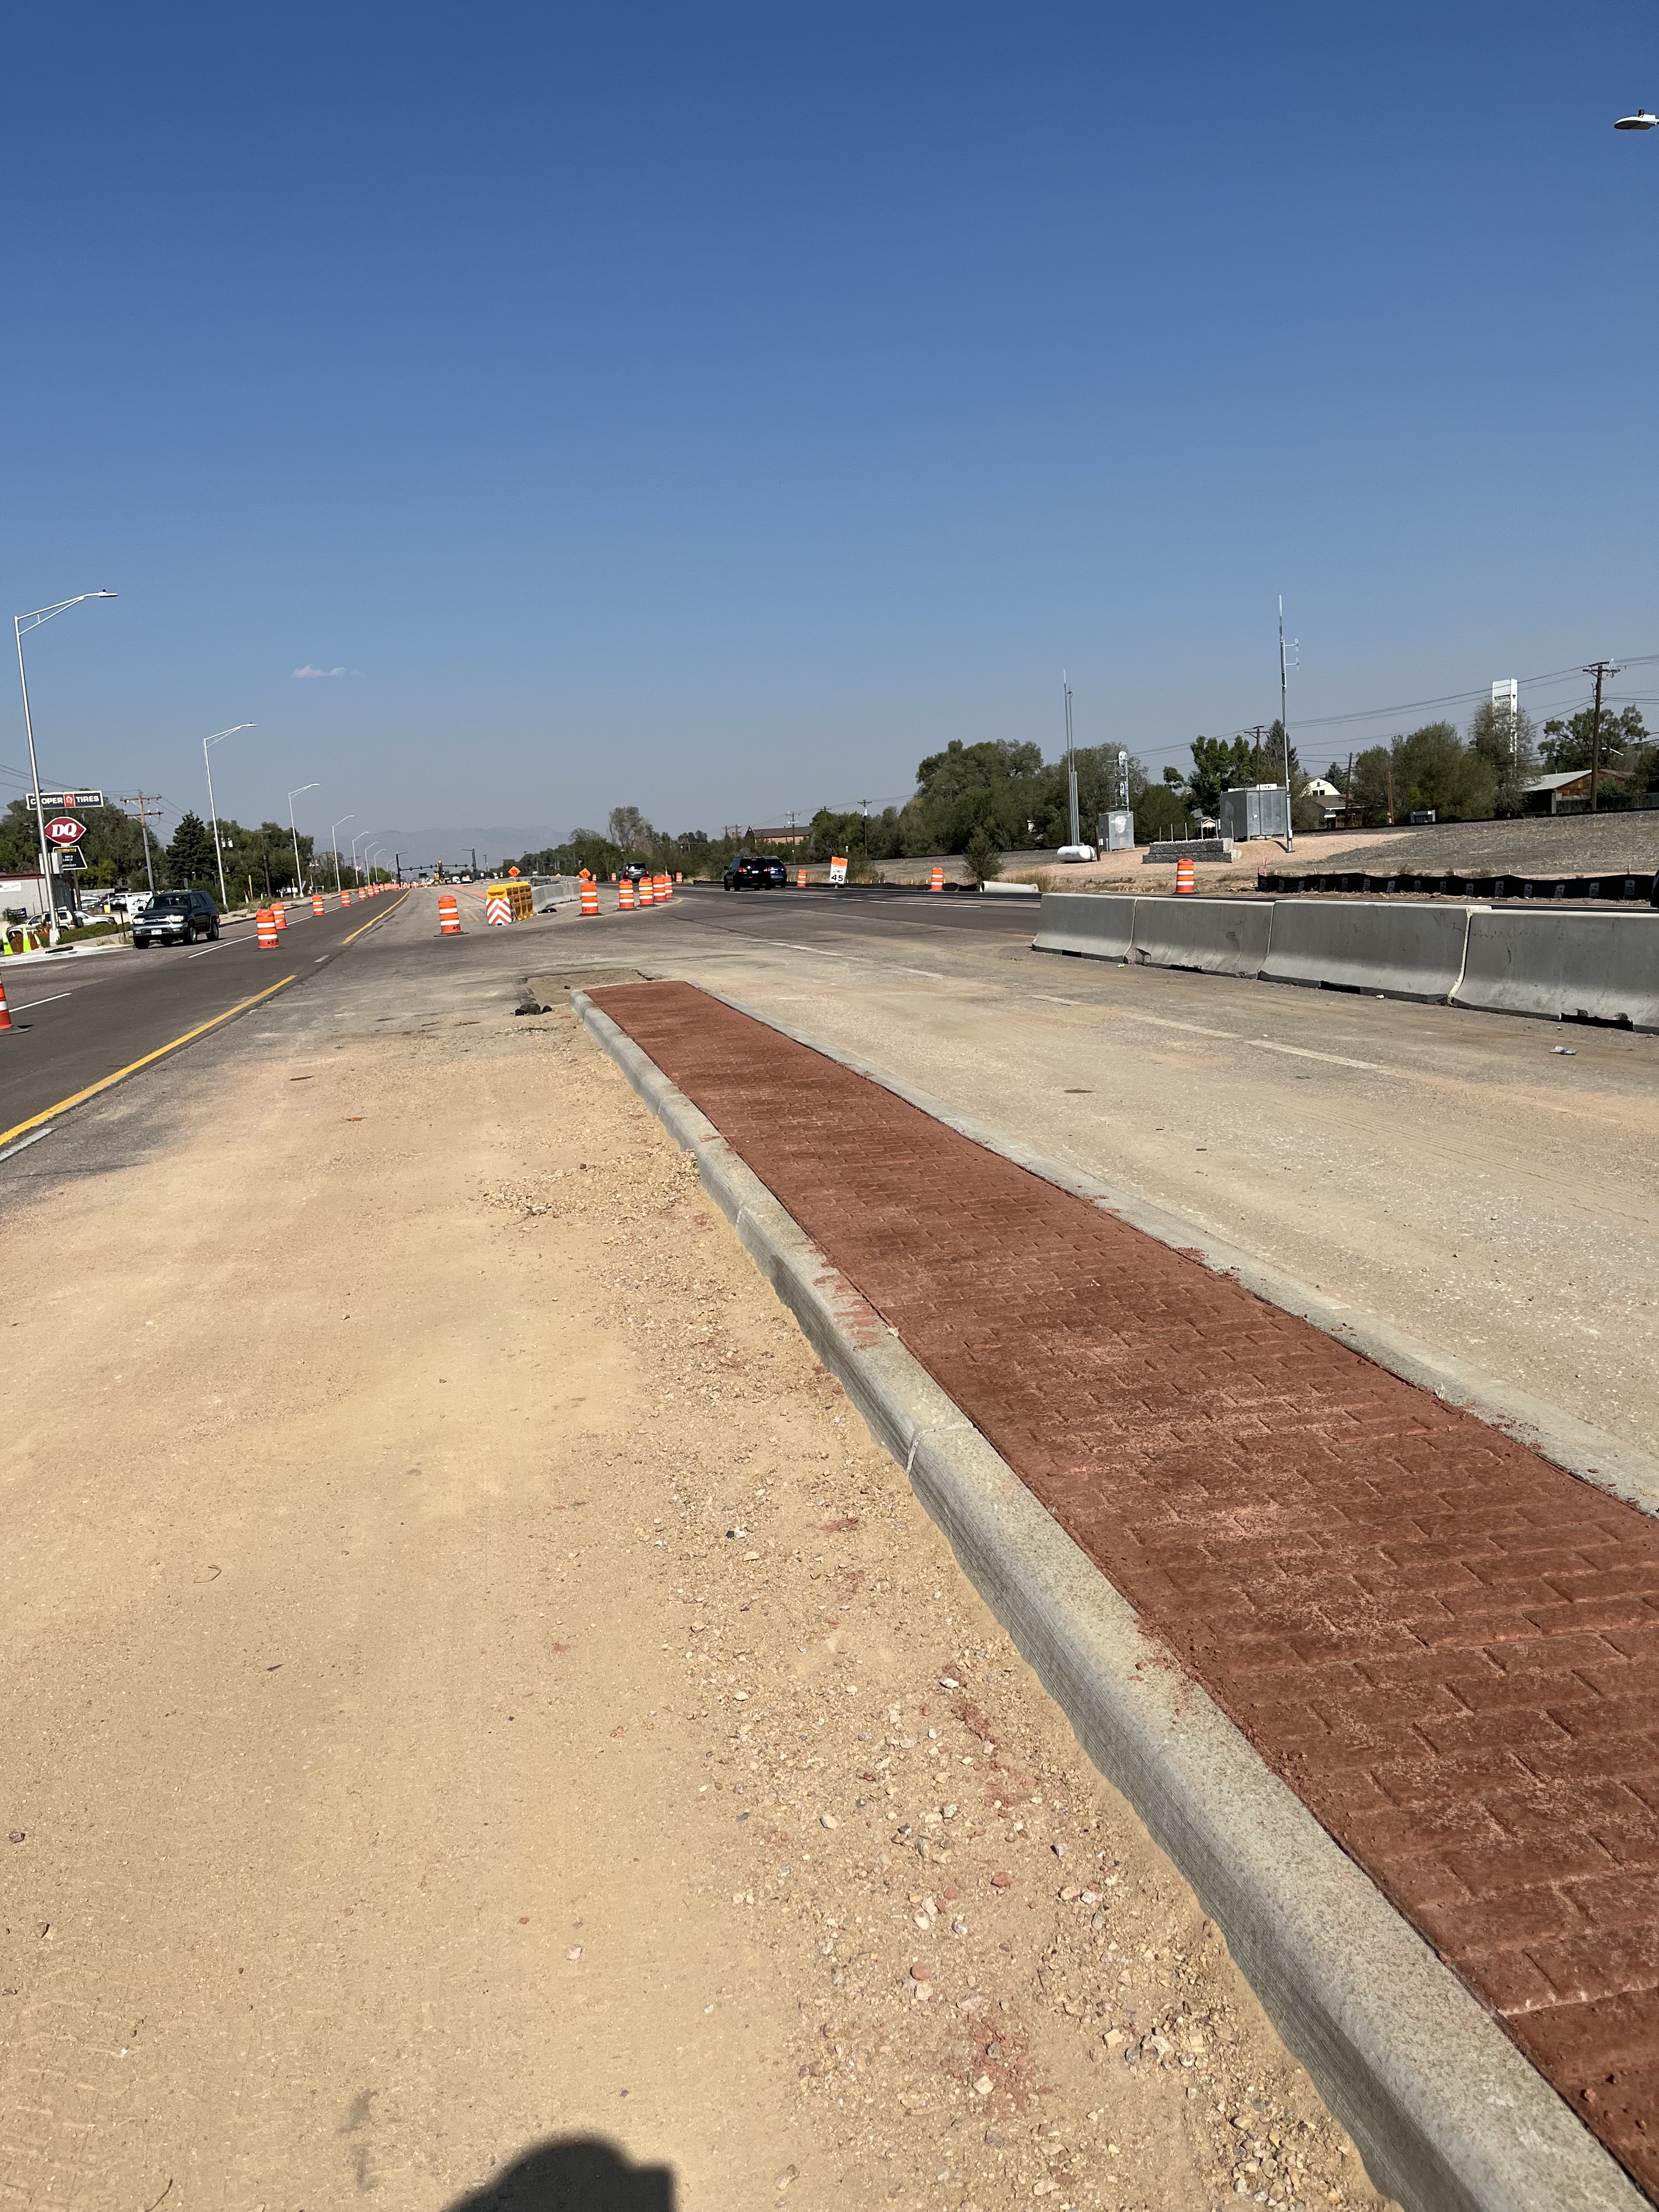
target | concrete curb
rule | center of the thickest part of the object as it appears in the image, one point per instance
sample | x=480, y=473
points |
x=1623, y=1469
x=1449, y=2115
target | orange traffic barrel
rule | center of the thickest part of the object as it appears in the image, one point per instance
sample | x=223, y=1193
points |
x=267, y=927
x=665, y=888
x=800, y=879
x=279, y=913
x=1184, y=884
x=938, y=883
x=590, y=897
x=648, y=891
x=316, y=905
x=625, y=896
x=679, y=875
x=449, y=915
x=345, y=898
x=5, y=1011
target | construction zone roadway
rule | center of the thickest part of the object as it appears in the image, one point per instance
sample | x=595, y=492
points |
x=486, y=1714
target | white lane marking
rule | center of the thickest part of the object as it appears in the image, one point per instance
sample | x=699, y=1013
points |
x=23, y=1143
x=204, y=953
x=849, y=959
x=1336, y=1059
x=23, y=1004
x=1261, y=1045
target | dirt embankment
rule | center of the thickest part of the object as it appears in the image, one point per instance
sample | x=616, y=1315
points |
x=498, y=1697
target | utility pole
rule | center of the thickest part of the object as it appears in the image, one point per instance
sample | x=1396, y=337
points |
x=1071, y=760
x=141, y=799
x=1285, y=722
x=1348, y=792
x=1599, y=669
x=1390, y=789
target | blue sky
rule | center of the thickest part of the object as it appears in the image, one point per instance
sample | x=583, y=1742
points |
x=716, y=410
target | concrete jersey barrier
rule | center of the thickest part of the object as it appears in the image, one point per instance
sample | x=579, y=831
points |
x=1599, y=967
x=1219, y=937
x=1354, y=944
x=1099, y=926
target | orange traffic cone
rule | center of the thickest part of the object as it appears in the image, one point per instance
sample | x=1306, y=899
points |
x=937, y=884
x=625, y=896
x=267, y=927
x=590, y=897
x=5, y=1011
x=1185, y=885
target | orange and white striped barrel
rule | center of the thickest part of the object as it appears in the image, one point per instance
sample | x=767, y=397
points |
x=316, y=906
x=345, y=898
x=498, y=910
x=679, y=876
x=449, y=915
x=280, y=912
x=590, y=898
x=665, y=889
x=1185, y=883
x=800, y=879
x=625, y=896
x=938, y=883
x=266, y=924
x=648, y=891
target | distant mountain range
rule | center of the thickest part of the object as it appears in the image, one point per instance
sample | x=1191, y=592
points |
x=457, y=843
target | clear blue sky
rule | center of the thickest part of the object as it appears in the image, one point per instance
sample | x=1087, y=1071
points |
x=717, y=409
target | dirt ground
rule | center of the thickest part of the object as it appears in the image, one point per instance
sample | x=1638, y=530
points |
x=474, y=1690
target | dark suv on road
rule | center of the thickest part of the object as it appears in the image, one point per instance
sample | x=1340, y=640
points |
x=745, y=872
x=175, y=918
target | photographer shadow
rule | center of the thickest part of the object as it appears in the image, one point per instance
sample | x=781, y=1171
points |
x=580, y=2175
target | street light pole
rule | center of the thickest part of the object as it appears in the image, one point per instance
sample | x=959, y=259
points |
x=334, y=841
x=218, y=849
x=355, y=841
x=20, y=624
x=1284, y=723
x=294, y=833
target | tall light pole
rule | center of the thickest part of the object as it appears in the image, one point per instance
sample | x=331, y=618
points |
x=1071, y=763
x=294, y=833
x=20, y=624
x=335, y=842
x=218, y=849
x=355, y=841
x=1285, y=723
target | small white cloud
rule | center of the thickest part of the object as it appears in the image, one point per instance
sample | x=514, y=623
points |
x=309, y=670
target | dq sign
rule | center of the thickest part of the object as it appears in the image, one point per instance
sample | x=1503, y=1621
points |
x=64, y=829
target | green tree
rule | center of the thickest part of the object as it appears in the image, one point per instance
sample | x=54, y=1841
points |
x=1509, y=745
x=984, y=860
x=190, y=856
x=1568, y=744
x=1219, y=764
x=629, y=831
x=1433, y=769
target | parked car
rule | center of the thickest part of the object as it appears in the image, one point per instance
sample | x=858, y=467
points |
x=746, y=869
x=175, y=918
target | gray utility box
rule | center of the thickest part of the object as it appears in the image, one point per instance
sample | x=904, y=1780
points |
x=1257, y=810
x=1115, y=832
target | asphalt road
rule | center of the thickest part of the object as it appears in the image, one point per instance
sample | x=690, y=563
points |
x=75, y=1022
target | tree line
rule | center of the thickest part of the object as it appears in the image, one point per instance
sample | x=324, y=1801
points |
x=1001, y=795
x=258, y=863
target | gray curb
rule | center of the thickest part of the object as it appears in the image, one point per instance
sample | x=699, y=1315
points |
x=1590, y=1453
x=1448, y=2114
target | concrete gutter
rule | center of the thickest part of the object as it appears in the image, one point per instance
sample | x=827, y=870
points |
x=1448, y=2114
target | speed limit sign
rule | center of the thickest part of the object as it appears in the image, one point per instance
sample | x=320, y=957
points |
x=64, y=829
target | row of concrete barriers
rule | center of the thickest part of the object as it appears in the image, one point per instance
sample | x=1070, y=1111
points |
x=1559, y=966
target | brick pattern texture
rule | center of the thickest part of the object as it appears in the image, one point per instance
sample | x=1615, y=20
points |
x=1447, y=1647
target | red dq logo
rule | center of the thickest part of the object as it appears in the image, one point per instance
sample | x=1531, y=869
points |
x=64, y=830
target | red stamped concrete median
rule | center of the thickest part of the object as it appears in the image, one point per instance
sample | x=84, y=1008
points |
x=1448, y=1648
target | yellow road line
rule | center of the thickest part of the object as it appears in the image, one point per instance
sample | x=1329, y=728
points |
x=132, y=1067
x=387, y=916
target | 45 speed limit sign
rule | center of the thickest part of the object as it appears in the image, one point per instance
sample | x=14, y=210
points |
x=64, y=829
